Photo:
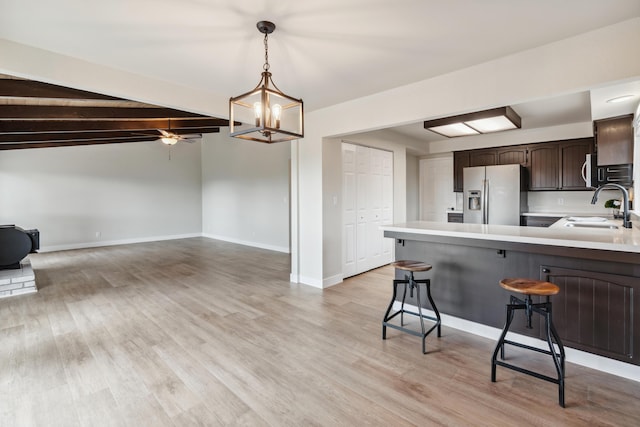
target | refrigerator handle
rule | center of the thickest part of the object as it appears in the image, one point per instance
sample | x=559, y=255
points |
x=485, y=210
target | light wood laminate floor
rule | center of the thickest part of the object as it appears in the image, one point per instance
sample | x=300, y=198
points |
x=202, y=332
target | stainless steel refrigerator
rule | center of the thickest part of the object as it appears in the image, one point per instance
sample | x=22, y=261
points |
x=494, y=194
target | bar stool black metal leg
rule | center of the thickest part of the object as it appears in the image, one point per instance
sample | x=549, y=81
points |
x=510, y=312
x=407, y=283
x=435, y=309
x=500, y=344
x=424, y=335
x=556, y=360
x=386, y=314
x=556, y=337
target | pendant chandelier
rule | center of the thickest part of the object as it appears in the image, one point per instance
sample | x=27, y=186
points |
x=265, y=113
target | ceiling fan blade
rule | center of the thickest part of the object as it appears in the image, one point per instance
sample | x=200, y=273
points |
x=190, y=136
x=165, y=133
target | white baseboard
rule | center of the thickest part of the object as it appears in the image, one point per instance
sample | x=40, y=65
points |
x=100, y=243
x=316, y=283
x=331, y=281
x=582, y=358
x=247, y=243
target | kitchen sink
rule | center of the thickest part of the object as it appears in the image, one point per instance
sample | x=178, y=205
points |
x=591, y=225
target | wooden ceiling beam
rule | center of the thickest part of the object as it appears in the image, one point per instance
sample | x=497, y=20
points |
x=38, y=115
x=26, y=145
x=90, y=136
x=192, y=125
x=79, y=112
x=33, y=89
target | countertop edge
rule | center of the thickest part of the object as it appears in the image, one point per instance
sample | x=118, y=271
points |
x=621, y=240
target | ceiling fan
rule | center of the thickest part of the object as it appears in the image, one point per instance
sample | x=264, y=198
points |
x=171, y=138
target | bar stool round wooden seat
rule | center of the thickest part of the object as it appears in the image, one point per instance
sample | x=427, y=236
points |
x=529, y=287
x=412, y=284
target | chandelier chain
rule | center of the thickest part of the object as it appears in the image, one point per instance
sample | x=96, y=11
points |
x=266, y=65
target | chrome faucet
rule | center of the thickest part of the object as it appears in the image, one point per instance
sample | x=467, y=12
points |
x=625, y=200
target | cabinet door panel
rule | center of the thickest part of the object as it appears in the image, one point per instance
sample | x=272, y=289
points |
x=614, y=138
x=543, y=167
x=460, y=161
x=512, y=156
x=594, y=311
x=482, y=158
x=573, y=155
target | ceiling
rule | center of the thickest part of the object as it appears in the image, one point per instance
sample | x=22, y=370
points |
x=325, y=52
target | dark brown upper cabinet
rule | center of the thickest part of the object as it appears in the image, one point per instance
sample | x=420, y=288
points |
x=483, y=157
x=514, y=155
x=544, y=166
x=460, y=161
x=614, y=140
x=572, y=157
x=555, y=165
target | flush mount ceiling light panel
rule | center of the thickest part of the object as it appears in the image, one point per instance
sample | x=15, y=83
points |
x=487, y=121
x=266, y=114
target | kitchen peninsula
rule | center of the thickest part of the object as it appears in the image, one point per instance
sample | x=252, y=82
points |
x=597, y=269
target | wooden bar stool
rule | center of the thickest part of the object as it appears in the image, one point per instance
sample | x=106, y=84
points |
x=528, y=288
x=412, y=283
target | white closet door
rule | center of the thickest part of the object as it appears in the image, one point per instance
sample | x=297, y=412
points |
x=362, y=207
x=374, y=234
x=387, y=204
x=348, y=210
x=367, y=203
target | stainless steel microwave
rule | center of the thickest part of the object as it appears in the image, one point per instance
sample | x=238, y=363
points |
x=595, y=176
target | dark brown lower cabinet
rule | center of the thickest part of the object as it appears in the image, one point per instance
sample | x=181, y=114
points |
x=454, y=217
x=594, y=311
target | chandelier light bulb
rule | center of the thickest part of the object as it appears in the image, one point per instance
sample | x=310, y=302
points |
x=257, y=110
x=276, y=111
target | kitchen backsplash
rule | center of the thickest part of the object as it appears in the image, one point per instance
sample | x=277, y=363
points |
x=562, y=201
x=570, y=201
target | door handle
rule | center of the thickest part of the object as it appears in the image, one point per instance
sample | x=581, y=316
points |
x=485, y=207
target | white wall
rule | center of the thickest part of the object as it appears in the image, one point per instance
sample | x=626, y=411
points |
x=124, y=192
x=413, y=188
x=245, y=191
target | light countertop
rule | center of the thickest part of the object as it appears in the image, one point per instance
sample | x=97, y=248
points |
x=621, y=239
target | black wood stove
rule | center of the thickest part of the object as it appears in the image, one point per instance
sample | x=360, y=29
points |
x=15, y=244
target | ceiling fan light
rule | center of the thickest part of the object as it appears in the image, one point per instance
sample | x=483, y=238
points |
x=168, y=140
